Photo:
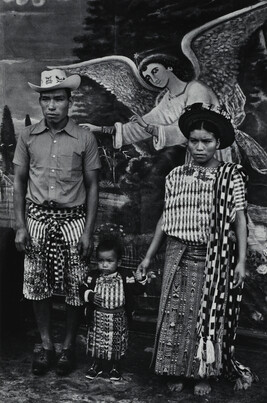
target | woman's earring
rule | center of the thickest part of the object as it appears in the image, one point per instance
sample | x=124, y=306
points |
x=170, y=68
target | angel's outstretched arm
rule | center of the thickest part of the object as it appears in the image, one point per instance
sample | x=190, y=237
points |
x=156, y=123
x=162, y=121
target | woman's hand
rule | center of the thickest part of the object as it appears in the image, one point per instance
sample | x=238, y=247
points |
x=142, y=269
x=240, y=273
x=91, y=127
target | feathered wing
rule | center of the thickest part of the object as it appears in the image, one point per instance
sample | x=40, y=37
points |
x=214, y=51
x=119, y=75
x=214, y=47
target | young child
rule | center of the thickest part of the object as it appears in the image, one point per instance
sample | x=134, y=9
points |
x=108, y=294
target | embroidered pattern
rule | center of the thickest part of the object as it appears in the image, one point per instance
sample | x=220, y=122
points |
x=188, y=202
x=52, y=261
x=108, y=334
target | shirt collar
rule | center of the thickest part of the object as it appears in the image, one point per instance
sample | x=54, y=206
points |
x=41, y=127
x=109, y=275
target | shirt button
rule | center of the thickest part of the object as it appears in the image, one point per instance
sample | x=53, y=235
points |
x=52, y=170
x=54, y=141
x=52, y=187
x=53, y=156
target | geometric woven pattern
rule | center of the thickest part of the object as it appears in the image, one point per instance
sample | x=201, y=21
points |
x=219, y=310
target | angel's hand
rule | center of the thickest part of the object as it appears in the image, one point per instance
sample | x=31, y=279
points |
x=151, y=129
x=138, y=119
x=91, y=127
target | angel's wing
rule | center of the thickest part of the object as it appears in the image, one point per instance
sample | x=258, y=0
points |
x=214, y=47
x=119, y=75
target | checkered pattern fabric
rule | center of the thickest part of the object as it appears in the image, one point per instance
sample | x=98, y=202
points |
x=219, y=310
x=58, y=229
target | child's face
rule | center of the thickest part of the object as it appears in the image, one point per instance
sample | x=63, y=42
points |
x=108, y=261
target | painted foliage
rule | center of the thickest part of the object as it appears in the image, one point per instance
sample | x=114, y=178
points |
x=105, y=41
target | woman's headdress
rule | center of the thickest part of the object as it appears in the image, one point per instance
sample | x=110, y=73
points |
x=217, y=115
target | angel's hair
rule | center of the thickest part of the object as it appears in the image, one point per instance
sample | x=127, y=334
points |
x=204, y=125
x=108, y=244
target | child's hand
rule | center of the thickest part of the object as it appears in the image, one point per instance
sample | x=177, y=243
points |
x=98, y=299
x=139, y=276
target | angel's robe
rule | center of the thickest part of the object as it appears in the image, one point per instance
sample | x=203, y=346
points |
x=165, y=116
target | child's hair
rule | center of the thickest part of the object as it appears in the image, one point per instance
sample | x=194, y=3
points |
x=107, y=244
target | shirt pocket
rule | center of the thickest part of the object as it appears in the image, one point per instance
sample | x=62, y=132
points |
x=71, y=166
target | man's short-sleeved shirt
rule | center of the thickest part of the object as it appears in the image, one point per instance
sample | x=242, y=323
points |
x=56, y=163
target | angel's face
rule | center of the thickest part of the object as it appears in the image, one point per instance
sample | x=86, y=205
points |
x=202, y=146
x=157, y=75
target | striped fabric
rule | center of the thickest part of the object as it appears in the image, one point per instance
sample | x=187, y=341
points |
x=219, y=310
x=189, y=199
x=111, y=290
x=52, y=261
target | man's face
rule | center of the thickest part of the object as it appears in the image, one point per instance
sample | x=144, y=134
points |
x=55, y=105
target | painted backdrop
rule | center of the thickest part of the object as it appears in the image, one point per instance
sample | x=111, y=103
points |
x=40, y=33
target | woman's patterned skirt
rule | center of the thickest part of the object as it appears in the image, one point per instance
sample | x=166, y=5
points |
x=176, y=347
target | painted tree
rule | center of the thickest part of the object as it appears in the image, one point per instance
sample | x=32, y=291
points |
x=8, y=140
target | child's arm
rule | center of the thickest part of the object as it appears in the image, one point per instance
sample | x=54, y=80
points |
x=87, y=290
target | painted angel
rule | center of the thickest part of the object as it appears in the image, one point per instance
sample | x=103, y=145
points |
x=156, y=93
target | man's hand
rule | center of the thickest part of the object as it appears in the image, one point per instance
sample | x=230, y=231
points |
x=85, y=246
x=22, y=239
x=240, y=273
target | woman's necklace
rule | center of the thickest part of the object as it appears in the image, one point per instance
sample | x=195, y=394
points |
x=172, y=96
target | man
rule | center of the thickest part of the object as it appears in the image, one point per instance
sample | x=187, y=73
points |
x=56, y=178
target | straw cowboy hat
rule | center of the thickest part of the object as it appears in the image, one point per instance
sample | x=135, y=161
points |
x=56, y=79
x=209, y=113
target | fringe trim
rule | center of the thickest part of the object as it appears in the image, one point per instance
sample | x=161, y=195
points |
x=209, y=356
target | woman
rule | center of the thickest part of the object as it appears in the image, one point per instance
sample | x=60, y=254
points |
x=162, y=71
x=204, y=212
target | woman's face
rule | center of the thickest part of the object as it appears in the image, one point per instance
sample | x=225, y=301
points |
x=202, y=146
x=157, y=75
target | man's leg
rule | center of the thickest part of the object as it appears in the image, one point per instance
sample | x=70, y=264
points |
x=73, y=316
x=66, y=361
x=43, y=312
x=44, y=359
